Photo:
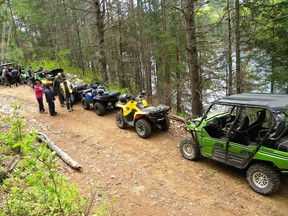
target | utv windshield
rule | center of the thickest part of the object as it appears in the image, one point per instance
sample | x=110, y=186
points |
x=218, y=109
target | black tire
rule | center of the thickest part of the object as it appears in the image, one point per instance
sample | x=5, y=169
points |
x=264, y=179
x=29, y=82
x=143, y=128
x=189, y=149
x=165, y=124
x=85, y=104
x=120, y=120
x=99, y=109
x=22, y=81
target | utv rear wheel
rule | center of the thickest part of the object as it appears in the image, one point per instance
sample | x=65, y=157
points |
x=120, y=121
x=189, y=149
x=99, y=109
x=85, y=104
x=165, y=124
x=143, y=128
x=263, y=179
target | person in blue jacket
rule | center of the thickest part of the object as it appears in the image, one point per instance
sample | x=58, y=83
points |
x=50, y=99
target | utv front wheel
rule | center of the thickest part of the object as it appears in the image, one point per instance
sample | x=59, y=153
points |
x=99, y=109
x=189, y=150
x=85, y=104
x=263, y=179
x=143, y=128
x=120, y=121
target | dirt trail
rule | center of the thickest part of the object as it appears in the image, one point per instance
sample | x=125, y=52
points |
x=150, y=175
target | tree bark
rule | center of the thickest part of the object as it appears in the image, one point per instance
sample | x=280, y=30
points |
x=120, y=69
x=178, y=72
x=101, y=58
x=196, y=87
x=17, y=41
x=237, y=34
x=168, y=88
x=230, y=72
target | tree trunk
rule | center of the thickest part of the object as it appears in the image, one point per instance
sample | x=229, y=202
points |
x=165, y=58
x=120, y=68
x=237, y=34
x=148, y=76
x=230, y=72
x=178, y=73
x=145, y=57
x=17, y=41
x=78, y=52
x=101, y=59
x=272, y=90
x=196, y=89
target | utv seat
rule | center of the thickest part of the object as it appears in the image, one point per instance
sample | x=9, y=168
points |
x=279, y=132
x=243, y=126
x=240, y=134
x=256, y=126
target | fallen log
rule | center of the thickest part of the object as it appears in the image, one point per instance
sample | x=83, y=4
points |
x=10, y=167
x=177, y=118
x=64, y=156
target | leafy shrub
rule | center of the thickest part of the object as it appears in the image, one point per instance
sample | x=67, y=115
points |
x=35, y=187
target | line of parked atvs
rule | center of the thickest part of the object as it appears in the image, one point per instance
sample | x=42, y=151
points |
x=132, y=111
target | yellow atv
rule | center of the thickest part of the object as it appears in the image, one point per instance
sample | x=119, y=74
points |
x=135, y=112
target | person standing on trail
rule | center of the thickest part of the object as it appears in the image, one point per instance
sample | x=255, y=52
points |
x=4, y=75
x=15, y=77
x=50, y=99
x=66, y=89
x=39, y=96
x=56, y=88
x=31, y=75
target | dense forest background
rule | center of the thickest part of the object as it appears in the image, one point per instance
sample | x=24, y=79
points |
x=181, y=52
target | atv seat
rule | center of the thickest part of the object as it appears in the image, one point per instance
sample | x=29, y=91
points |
x=87, y=90
x=107, y=94
x=114, y=93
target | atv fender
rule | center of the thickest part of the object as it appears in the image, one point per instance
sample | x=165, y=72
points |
x=138, y=115
x=125, y=109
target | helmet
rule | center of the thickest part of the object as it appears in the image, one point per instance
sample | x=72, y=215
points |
x=100, y=91
x=94, y=86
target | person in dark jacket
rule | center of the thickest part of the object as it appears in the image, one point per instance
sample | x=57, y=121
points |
x=50, y=99
x=15, y=77
x=31, y=76
x=56, y=88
